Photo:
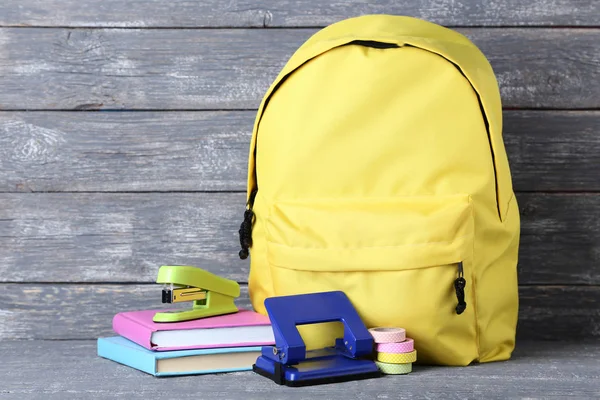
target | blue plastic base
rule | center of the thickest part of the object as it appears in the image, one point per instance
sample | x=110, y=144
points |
x=326, y=367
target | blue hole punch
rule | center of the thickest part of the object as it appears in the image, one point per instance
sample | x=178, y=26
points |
x=289, y=363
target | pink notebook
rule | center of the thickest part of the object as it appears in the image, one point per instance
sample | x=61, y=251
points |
x=244, y=328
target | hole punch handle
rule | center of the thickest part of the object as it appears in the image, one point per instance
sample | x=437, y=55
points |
x=287, y=312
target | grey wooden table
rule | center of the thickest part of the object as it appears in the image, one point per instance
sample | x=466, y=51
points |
x=124, y=132
x=70, y=369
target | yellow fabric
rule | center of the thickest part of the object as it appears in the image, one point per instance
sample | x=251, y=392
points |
x=376, y=176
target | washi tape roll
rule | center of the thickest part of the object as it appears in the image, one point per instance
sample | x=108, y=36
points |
x=388, y=335
x=394, y=369
x=402, y=347
x=397, y=358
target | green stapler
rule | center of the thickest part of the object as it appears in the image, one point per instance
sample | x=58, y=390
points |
x=211, y=294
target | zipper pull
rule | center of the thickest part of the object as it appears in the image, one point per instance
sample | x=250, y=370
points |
x=459, y=287
x=245, y=231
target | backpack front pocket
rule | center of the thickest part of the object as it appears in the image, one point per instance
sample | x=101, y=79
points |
x=402, y=261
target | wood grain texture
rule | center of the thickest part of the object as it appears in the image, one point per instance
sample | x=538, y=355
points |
x=118, y=237
x=274, y=13
x=94, y=69
x=553, y=151
x=125, y=237
x=71, y=311
x=124, y=151
x=191, y=151
x=66, y=311
x=72, y=370
x=560, y=238
x=559, y=312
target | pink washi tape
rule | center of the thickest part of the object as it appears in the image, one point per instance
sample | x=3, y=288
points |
x=401, y=347
x=388, y=335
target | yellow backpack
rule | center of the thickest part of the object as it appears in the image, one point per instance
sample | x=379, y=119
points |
x=377, y=167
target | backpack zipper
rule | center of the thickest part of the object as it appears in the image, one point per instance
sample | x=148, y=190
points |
x=246, y=227
x=459, y=287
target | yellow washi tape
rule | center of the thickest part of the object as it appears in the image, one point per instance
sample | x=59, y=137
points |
x=397, y=358
x=394, y=369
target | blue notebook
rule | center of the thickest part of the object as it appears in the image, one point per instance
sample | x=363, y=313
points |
x=179, y=362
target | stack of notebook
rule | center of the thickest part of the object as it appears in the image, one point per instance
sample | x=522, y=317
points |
x=225, y=343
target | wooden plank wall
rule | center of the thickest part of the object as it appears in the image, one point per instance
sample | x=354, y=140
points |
x=124, y=131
